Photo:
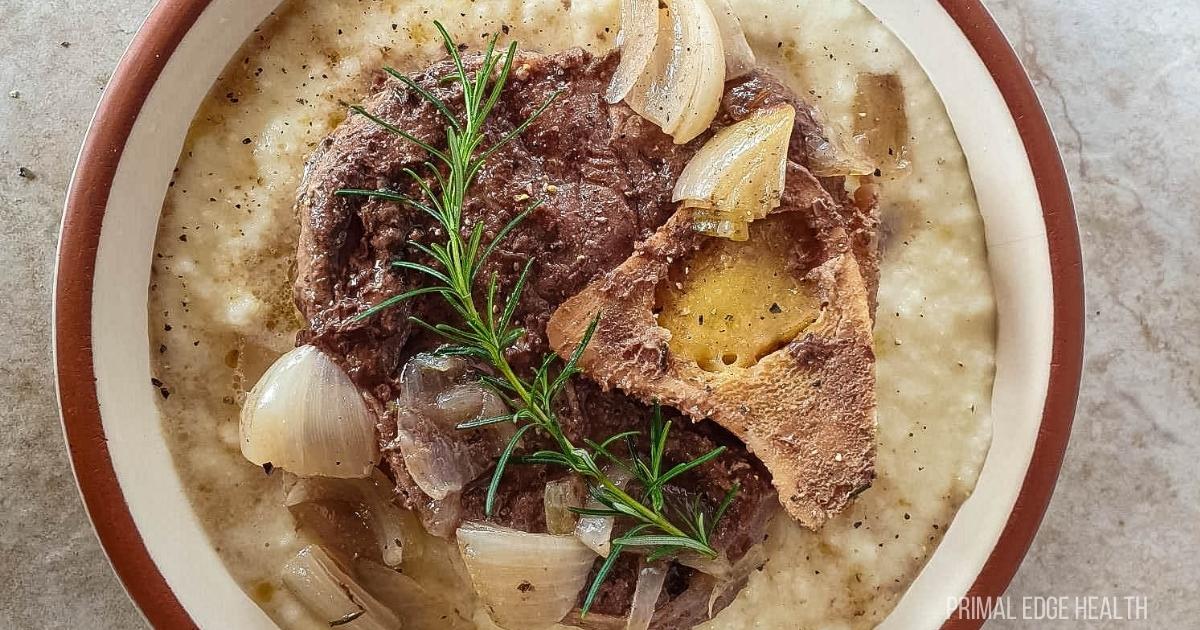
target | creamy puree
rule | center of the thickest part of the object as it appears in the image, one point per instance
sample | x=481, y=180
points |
x=220, y=298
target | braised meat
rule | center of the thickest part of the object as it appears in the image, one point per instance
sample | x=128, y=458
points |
x=604, y=177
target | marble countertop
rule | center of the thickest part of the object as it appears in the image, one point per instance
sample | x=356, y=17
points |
x=1121, y=82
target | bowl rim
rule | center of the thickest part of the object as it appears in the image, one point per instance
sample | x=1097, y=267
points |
x=87, y=198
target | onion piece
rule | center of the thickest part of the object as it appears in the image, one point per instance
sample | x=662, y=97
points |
x=327, y=589
x=596, y=531
x=441, y=458
x=681, y=87
x=835, y=156
x=367, y=501
x=645, y=596
x=838, y=151
x=306, y=416
x=738, y=175
x=526, y=581
x=739, y=57
x=562, y=495
x=729, y=576
x=638, y=35
x=420, y=608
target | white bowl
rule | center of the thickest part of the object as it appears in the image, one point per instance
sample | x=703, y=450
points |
x=110, y=418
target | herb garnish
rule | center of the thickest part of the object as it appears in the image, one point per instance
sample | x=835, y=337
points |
x=487, y=331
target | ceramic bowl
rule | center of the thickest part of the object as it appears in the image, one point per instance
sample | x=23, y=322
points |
x=125, y=474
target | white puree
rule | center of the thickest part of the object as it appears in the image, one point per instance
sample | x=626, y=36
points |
x=225, y=291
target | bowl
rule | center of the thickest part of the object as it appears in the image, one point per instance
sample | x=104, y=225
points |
x=125, y=473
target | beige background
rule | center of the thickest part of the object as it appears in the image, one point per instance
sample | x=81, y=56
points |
x=1121, y=82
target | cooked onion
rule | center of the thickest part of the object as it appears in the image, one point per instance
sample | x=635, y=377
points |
x=739, y=57
x=680, y=88
x=596, y=531
x=639, y=33
x=730, y=576
x=738, y=175
x=366, y=502
x=306, y=417
x=838, y=151
x=834, y=156
x=420, y=608
x=438, y=455
x=645, y=596
x=328, y=590
x=427, y=375
x=526, y=581
x=562, y=495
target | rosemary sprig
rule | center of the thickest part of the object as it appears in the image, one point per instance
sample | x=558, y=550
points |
x=487, y=329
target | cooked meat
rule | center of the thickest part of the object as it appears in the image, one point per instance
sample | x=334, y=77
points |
x=605, y=176
x=807, y=409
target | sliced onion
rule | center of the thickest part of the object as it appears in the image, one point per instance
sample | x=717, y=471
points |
x=427, y=375
x=729, y=576
x=526, y=581
x=328, y=590
x=645, y=596
x=596, y=531
x=720, y=567
x=562, y=495
x=366, y=502
x=737, y=176
x=881, y=130
x=680, y=89
x=442, y=517
x=420, y=608
x=441, y=458
x=639, y=33
x=838, y=152
x=739, y=57
x=306, y=416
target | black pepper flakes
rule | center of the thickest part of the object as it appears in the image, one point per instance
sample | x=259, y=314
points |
x=25, y=173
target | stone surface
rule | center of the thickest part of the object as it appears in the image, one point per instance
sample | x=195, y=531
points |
x=1122, y=86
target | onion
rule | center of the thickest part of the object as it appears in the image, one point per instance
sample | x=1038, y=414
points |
x=645, y=596
x=834, y=156
x=739, y=57
x=427, y=375
x=441, y=458
x=442, y=517
x=729, y=576
x=526, y=581
x=737, y=176
x=596, y=531
x=680, y=89
x=326, y=589
x=839, y=151
x=306, y=417
x=419, y=607
x=560, y=497
x=639, y=33
x=365, y=502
